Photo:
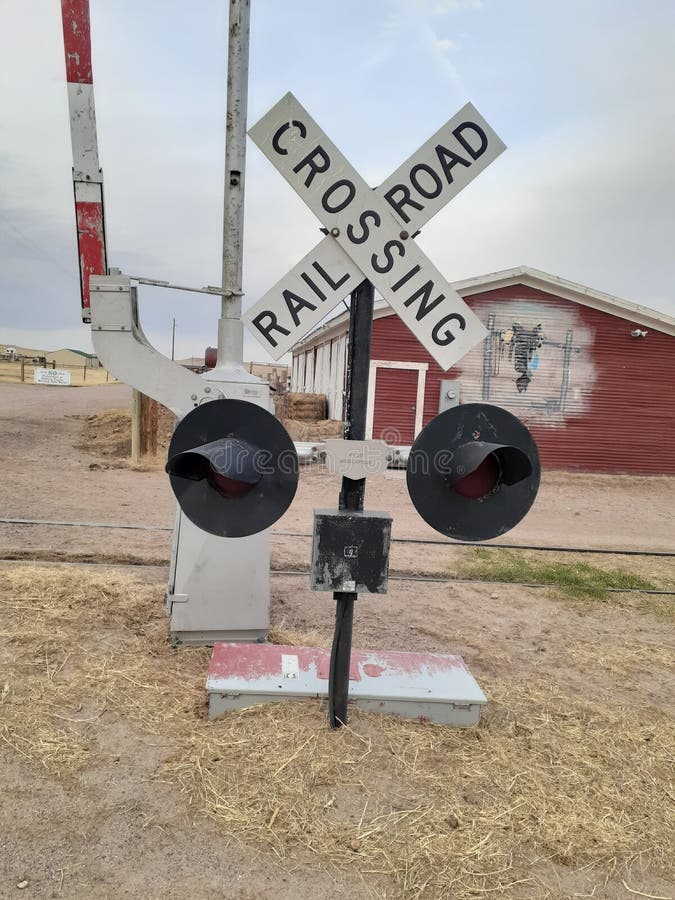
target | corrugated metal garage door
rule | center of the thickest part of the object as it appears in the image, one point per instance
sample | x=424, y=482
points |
x=395, y=396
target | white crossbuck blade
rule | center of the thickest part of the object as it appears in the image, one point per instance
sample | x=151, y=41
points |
x=370, y=231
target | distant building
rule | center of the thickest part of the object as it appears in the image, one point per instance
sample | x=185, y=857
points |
x=12, y=352
x=590, y=374
x=69, y=357
x=65, y=357
x=193, y=363
x=275, y=374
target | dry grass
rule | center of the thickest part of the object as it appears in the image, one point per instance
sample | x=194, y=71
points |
x=43, y=555
x=422, y=810
x=589, y=580
x=107, y=434
x=11, y=372
x=623, y=660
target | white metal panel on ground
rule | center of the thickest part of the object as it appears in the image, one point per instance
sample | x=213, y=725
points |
x=425, y=686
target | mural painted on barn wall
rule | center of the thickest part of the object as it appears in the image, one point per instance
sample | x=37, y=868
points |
x=536, y=361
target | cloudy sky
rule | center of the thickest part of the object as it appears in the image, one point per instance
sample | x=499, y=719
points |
x=581, y=92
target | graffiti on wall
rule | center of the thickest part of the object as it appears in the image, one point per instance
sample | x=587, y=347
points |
x=523, y=344
x=535, y=361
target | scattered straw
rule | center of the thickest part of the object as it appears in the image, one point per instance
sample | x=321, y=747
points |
x=624, y=659
x=642, y=893
x=409, y=809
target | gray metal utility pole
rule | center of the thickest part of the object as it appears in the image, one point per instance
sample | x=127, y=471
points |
x=230, y=328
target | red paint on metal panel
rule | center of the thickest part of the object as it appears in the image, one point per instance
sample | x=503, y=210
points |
x=251, y=662
x=323, y=666
x=77, y=41
x=90, y=244
x=372, y=670
x=395, y=404
x=618, y=415
x=399, y=662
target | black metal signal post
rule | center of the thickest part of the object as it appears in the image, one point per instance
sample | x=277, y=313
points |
x=353, y=491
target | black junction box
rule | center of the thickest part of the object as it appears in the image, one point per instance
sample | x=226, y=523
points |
x=350, y=551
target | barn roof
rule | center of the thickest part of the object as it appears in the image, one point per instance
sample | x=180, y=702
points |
x=535, y=278
x=79, y=352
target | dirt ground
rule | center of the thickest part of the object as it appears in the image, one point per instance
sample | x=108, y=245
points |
x=92, y=836
x=47, y=477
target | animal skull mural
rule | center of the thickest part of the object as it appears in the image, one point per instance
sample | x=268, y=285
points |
x=536, y=361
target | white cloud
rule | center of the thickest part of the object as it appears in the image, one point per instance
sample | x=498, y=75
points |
x=584, y=203
x=443, y=7
x=446, y=45
x=411, y=25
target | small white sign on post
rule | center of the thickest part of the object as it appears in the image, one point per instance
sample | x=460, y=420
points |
x=370, y=232
x=356, y=459
x=51, y=376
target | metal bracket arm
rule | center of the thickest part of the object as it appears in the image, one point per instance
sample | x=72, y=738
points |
x=125, y=351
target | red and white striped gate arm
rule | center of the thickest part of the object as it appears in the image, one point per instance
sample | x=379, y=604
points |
x=87, y=176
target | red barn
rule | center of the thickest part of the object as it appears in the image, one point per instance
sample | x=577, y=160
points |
x=591, y=375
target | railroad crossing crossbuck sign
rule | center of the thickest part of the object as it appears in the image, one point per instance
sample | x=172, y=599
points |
x=370, y=231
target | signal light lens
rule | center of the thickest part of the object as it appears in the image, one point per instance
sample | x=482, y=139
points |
x=482, y=481
x=229, y=487
x=469, y=488
x=228, y=464
x=233, y=468
x=480, y=468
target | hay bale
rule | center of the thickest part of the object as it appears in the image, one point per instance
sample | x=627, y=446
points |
x=318, y=430
x=306, y=407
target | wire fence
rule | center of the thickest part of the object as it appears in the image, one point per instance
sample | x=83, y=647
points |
x=21, y=370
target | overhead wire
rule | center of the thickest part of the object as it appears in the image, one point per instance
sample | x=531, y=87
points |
x=612, y=551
